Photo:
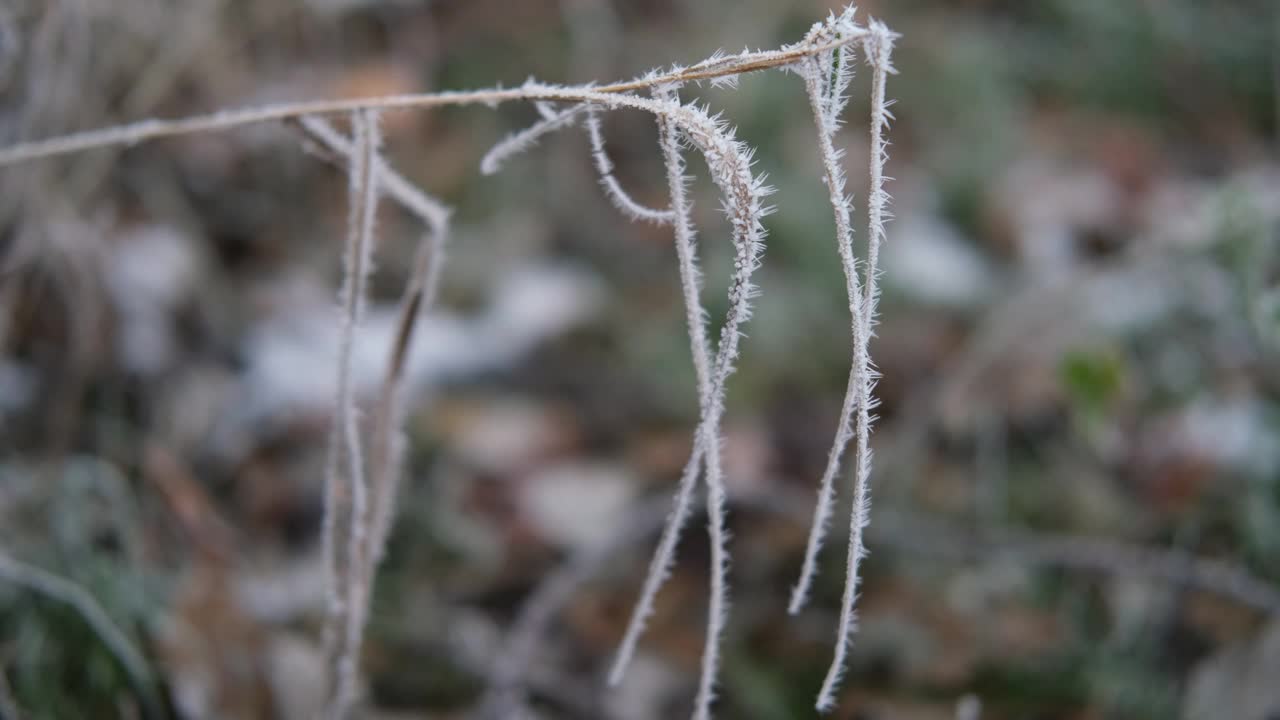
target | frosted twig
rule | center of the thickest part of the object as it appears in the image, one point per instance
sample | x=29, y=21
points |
x=878, y=47
x=146, y=130
x=664, y=555
x=545, y=110
x=841, y=73
x=387, y=443
x=746, y=223
x=386, y=446
x=879, y=51
x=743, y=194
x=525, y=139
x=690, y=280
x=826, y=101
x=431, y=211
x=347, y=505
x=612, y=188
x=359, y=515
x=367, y=148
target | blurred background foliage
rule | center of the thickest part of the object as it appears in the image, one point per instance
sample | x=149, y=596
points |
x=1080, y=339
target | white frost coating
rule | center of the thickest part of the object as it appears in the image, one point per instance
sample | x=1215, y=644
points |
x=347, y=496
x=612, y=188
x=518, y=142
x=428, y=209
x=878, y=47
x=743, y=193
x=690, y=280
x=825, y=78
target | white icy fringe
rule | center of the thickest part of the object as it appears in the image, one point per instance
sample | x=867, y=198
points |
x=367, y=520
x=358, y=511
x=612, y=188
x=346, y=484
x=386, y=437
x=742, y=194
x=711, y=406
x=433, y=213
x=525, y=139
x=826, y=76
x=878, y=47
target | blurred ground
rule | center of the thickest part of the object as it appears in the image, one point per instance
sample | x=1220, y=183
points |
x=1080, y=340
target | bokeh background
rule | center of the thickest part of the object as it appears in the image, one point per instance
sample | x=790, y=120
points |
x=1080, y=347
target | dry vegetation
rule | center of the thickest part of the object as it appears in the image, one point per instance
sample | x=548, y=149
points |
x=249, y=501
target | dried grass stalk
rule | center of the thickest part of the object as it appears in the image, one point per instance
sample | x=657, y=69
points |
x=361, y=483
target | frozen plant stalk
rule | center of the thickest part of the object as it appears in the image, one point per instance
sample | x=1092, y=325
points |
x=346, y=527
x=878, y=47
x=826, y=76
x=360, y=490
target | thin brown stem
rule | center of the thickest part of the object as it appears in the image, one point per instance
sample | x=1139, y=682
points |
x=146, y=130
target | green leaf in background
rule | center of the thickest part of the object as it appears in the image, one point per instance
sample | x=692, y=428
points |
x=1092, y=380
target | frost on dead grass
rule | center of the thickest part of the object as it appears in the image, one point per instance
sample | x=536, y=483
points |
x=363, y=467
